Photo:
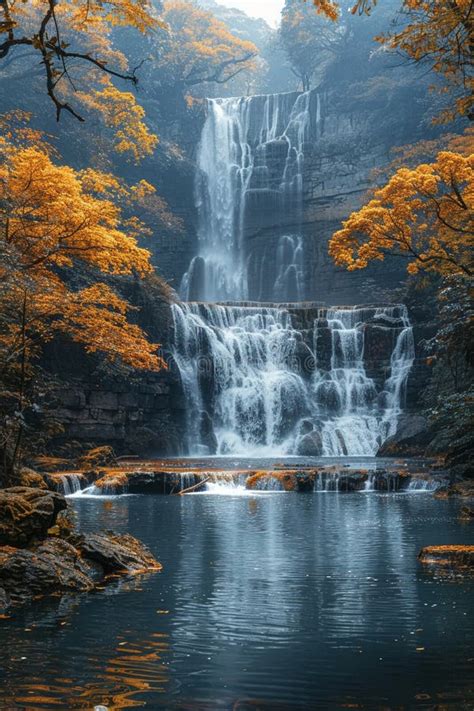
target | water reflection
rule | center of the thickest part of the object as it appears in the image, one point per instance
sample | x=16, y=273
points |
x=77, y=665
x=278, y=601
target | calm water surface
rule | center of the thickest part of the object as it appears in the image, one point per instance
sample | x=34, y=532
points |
x=270, y=601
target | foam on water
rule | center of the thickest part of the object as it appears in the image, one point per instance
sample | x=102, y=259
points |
x=247, y=394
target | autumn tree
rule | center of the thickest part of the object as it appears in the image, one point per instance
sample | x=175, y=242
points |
x=424, y=213
x=197, y=48
x=71, y=42
x=308, y=39
x=439, y=33
x=57, y=224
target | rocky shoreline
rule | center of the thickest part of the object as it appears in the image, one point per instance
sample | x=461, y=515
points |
x=449, y=556
x=166, y=480
x=41, y=553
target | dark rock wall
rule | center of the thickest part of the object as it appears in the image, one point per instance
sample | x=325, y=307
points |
x=135, y=412
x=144, y=418
x=350, y=140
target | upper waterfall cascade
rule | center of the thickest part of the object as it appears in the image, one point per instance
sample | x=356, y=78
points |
x=267, y=380
x=250, y=158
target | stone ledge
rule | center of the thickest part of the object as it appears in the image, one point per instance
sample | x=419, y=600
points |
x=42, y=555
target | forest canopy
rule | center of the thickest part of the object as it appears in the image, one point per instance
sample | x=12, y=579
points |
x=197, y=48
x=438, y=33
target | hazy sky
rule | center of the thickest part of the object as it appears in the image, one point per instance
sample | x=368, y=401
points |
x=268, y=9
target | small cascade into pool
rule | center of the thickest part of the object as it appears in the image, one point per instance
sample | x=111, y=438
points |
x=71, y=483
x=226, y=488
x=370, y=483
x=417, y=484
x=325, y=483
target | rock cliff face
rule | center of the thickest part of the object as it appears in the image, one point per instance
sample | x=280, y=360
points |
x=345, y=143
x=142, y=418
x=135, y=412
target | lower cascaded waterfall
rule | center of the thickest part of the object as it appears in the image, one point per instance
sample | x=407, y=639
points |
x=294, y=379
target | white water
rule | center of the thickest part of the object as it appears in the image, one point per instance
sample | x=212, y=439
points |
x=228, y=488
x=256, y=384
x=71, y=483
x=251, y=149
x=423, y=485
x=245, y=367
x=365, y=415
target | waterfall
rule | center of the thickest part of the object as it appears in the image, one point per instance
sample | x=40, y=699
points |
x=292, y=379
x=250, y=160
x=363, y=416
x=71, y=483
x=272, y=374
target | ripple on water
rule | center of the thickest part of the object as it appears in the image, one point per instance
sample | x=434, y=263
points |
x=264, y=602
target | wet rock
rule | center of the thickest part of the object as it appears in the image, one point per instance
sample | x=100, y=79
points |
x=411, y=438
x=461, y=489
x=42, y=554
x=306, y=426
x=302, y=360
x=28, y=477
x=457, y=556
x=112, y=482
x=96, y=457
x=117, y=553
x=378, y=345
x=26, y=514
x=459, y=456
x=310, y=445
x=5, y=600
x=324, y=347
x=55, y=566
x=305, y=482
x=466, y=514
x=208, y=437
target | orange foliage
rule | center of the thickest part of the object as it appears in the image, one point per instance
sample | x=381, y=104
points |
x=437, y=32
x=329, y=9
x=423, y=213
x=74, y=46
x=53, y=219
x=200, y=48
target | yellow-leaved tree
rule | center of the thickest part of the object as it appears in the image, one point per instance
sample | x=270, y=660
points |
x=58, y=227
x=439, y=33
x=70, y=40
x=424, y=213
x=199, y=48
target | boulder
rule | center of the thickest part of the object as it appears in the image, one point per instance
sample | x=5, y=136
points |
x=466, y=514
x=310, y=445
x=55, y=566
x=41, y=554
x=411, y=438
x=306, y=426
x=117, y=553
x=26, y=514
x=30, y=478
